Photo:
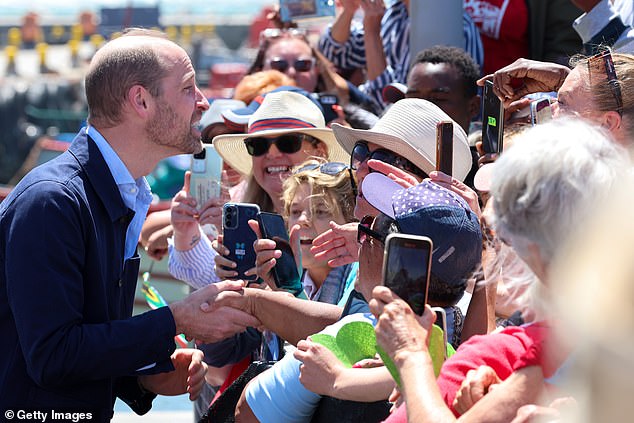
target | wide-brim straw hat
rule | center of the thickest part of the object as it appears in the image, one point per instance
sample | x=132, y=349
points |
x=408, y=128
x=283, y=112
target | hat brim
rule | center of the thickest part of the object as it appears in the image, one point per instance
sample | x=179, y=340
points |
x=233, y=151
x=348, y=137
x=378, y=190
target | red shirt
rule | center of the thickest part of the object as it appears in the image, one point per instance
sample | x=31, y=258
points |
x=503, y=26
x=511, y=349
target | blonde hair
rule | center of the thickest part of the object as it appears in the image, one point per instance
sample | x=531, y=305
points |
x=596, y=85
x=258, y=83
x=335, y=189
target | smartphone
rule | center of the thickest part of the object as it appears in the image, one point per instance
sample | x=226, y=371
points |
x=441, y=322
x=295, y=10
x=285, y=271
x=238, y=236
x=406, y=268
x=444, y=147
x=541, y=111
x=206, y=169
x=492, y=120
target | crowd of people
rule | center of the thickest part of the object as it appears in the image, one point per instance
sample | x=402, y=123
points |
x=339, y=137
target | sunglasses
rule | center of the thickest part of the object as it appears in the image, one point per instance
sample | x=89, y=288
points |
x=364, y=231
x=300, y=65
x=603, y=63
x=275, y=33
x=289, y=144
x=361, y=153
x=332, y=169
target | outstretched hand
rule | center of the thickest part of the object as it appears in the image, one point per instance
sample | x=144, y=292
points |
x=524, y=77
x=338, y=244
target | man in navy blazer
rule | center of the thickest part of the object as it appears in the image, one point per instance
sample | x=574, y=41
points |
x=68, y=236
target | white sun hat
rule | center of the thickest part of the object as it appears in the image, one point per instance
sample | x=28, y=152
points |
x=283, y=112
x=408, y=128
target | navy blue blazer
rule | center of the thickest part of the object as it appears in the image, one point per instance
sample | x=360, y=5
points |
x=66, y=292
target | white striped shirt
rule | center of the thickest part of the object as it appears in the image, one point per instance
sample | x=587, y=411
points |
x=395, y=37
x=195, y=266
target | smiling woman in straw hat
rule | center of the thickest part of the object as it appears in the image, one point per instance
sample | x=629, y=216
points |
x=287, y=129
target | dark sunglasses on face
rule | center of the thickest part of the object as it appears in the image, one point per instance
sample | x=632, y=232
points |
x=300, y=65
x=289, y=144
x=364, y=231
x=361, y=152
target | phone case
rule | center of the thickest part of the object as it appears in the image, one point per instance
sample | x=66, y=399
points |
x=285, y=271
x=492, y=120
x=541, y=111
x=406, y=268
x=205, y=182
x=295, y=10
x=444, y=147
x=441, y=322
x=238, y=236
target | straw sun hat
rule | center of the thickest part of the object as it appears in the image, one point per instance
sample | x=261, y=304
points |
x=282, y=112
x=408, y=128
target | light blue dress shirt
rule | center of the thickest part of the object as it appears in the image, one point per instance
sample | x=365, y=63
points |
x=136, y=194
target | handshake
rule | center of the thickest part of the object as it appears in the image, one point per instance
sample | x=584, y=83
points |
x=215, y=312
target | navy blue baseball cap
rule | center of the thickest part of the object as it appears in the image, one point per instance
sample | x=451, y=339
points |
x=431, y=210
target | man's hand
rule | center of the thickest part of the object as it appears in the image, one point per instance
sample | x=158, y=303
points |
x=524, y=77
x=319, y=369
x=399, y=176
x=476, y=385
x=585, y=5
x=188, y=375
x=203, y=315
x=338, y=244
x=453, y=184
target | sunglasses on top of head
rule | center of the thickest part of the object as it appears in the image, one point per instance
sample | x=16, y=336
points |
x=361, y=153
x=332, y=169
x=288, y=143
x=300, y=65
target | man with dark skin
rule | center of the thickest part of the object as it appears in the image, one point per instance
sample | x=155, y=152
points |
x=446, y=76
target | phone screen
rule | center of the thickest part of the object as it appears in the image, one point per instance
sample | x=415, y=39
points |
x=406, y=265
x=492, y=120
x=285, y=271
x=444, y=147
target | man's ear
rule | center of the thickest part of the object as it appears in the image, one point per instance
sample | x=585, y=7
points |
x=139, y=100
x=612, y=121
x=474, y=106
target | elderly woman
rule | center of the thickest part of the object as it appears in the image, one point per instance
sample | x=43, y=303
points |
x=543, y=189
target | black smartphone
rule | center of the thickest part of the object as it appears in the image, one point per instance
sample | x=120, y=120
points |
x=444, y=147
x=492, y=120
x=238, y=236
x=285, y=271
x=406, y=268
x=441, y=322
